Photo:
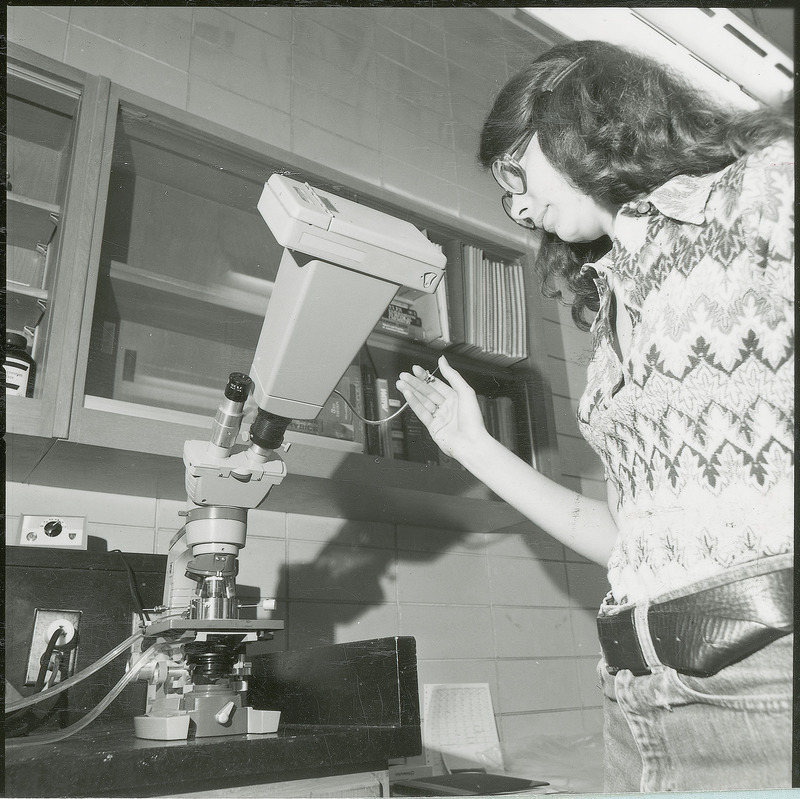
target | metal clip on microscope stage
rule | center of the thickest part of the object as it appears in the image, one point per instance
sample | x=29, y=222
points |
x=341, y=261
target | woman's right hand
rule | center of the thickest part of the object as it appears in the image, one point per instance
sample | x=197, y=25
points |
x=449, y=409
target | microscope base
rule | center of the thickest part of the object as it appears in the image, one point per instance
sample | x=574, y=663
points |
x=177, y=727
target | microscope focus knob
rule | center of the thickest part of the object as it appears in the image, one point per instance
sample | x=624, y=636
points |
x=223, y=716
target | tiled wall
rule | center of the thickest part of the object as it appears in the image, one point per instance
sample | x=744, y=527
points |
x=395, y=97
x=513, y=609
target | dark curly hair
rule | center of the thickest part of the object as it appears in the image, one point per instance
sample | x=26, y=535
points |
x=617, y=126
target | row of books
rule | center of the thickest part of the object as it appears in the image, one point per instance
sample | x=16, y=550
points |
x=479, y=309
x=404, y=437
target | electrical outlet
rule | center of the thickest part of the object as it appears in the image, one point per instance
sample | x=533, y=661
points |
x=45, y=624
x=62, y=532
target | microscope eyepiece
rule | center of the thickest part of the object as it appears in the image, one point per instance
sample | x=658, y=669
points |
x=238, y=386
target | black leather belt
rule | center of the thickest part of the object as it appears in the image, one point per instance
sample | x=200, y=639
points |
x=701, y=633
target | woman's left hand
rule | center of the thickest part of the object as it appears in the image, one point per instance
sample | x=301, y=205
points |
x=449, y=409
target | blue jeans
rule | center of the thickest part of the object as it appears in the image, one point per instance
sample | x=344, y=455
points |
x=666, y=731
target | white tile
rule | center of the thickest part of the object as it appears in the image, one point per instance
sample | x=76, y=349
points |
x=37, y=29
x=532, y=685
x=167, y=513
x=589, y=681
x=96, y=507
x=262, y=76
x=318, y=623
x=409, y=181
x=520, y=731
x=588, y=584
x=578, y=458
x=427, y=123
x=274, y=21
x=418, y=27
x=466, y=83
x=240, y=113
x=161, y=33
x=467, y=36
x=376, y=621
x=532, y=632
x=593, y=722
x=340, y=84
x=584, y=630
x=525, y=581
x=266, y=524
x=594, y=488
x=347, y=44
x=412, y=149
x=447, y=579
x=406, y=83
x=361, y=160
x=400, y=49
x=357, y=123
x=444, y=632
x=261, y=568
x=326, y=529
x=429, y=539
x=124, y=537
x=340, y=573
x=354, y=25
x=101, y=56
x=524, y=540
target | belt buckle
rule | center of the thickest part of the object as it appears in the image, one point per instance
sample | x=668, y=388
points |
x=620, y=643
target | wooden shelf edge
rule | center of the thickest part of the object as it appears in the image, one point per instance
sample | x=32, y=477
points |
x=65, y=464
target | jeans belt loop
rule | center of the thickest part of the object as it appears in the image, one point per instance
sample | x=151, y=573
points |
x=641, y=621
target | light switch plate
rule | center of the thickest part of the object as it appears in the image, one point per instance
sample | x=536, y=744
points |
x=60, y=532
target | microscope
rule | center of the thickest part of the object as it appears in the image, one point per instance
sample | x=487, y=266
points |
x=343, y=261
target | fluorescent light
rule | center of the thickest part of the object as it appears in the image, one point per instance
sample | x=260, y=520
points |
x=690, y=40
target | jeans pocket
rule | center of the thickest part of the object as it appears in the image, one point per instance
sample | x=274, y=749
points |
x=762, y=680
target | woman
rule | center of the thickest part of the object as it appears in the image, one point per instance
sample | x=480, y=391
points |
x=672, y=219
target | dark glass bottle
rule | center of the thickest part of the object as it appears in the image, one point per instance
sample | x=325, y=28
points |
x=20, y=368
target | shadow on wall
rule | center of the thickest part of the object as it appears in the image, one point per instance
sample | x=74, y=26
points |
x=344, y=583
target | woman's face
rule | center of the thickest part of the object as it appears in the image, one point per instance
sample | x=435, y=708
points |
x=556, y=206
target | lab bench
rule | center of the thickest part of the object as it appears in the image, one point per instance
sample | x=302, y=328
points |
x=346, y=709
x=107, y=760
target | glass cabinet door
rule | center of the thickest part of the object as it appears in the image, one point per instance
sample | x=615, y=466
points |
x=186, y=268
x=51, y=161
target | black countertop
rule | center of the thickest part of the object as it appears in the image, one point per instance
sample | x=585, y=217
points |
x=108, y=760
x=345, y=708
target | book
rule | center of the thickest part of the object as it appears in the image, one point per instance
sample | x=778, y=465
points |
x=370, y=396
x=384, y=411
x=420, y=446
x=336, y=419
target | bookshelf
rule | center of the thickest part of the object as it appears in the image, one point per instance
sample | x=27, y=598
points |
x=167, y=297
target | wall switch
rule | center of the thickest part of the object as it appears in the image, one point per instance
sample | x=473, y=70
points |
x=46, y=623
x=62, y=532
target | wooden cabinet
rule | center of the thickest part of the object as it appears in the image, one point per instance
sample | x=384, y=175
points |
x=52, y=169
x=169, y=274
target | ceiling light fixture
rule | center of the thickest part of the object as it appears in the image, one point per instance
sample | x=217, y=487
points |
x=716, y=48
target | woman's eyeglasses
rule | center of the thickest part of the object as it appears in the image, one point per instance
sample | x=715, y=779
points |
x=508, y=171
x=510, y=175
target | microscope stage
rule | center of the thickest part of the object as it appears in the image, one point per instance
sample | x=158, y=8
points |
x=215, y=626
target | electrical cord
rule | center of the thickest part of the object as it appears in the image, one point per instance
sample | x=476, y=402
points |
x=44, y=661
x=55, y=737
x=356, y=413
x=136, y=597
x=28, y=701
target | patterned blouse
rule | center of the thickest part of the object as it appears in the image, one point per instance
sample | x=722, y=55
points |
x=695, y=427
